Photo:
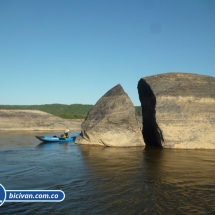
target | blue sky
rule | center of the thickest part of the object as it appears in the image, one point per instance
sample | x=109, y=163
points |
x=74, y=51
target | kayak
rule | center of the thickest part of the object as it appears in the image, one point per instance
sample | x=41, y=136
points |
x=54, y=139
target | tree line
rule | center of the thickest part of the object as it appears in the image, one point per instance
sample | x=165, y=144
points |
x=73, y=111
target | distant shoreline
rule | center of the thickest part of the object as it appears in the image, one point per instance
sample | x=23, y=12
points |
x=34, y=120
x=73, y=111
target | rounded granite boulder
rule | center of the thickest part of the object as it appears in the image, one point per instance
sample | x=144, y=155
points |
x=185, y=109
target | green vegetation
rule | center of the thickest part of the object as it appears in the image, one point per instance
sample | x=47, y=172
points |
x=74, y=111
x=138, y=110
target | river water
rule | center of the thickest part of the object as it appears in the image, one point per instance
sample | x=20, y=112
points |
x=104, y=180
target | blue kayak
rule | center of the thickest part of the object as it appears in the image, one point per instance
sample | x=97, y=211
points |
x=54, y=139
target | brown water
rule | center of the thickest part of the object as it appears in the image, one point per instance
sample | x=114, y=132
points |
x=100, y=180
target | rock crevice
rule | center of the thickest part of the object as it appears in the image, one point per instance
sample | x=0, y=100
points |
x=152, y=134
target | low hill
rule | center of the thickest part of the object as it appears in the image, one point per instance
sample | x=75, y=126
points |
x=35, y=120
x=73, y=111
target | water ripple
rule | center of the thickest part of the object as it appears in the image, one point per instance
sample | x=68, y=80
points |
x=98, y=180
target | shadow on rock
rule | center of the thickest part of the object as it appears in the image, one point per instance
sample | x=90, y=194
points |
x=152, y=134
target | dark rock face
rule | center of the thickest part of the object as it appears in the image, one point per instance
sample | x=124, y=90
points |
x=152, y=134
x=185, y=109
x=112, y=122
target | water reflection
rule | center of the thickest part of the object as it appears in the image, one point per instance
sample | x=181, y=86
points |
x=105, y=180
x=45, y=146
x=152, y=180
x=112, y=160
x=166, y=165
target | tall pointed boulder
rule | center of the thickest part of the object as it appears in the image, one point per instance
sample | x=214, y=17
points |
x=112, y=122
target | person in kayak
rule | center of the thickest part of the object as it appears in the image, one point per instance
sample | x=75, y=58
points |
x=65, y=134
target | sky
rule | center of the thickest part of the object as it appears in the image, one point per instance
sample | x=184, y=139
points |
x=74, y=51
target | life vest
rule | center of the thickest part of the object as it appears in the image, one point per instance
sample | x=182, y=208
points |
x=65, y=135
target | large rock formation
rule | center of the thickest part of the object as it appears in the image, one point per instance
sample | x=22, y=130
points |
x=112, y=122
x=35, y=120
x=185, y=109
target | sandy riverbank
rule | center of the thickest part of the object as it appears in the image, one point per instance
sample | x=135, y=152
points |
x=31, y=120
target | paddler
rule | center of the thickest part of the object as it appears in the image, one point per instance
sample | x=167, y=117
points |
x=65, y=134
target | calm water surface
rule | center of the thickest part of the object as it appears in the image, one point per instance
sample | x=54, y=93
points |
x=100, y=180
